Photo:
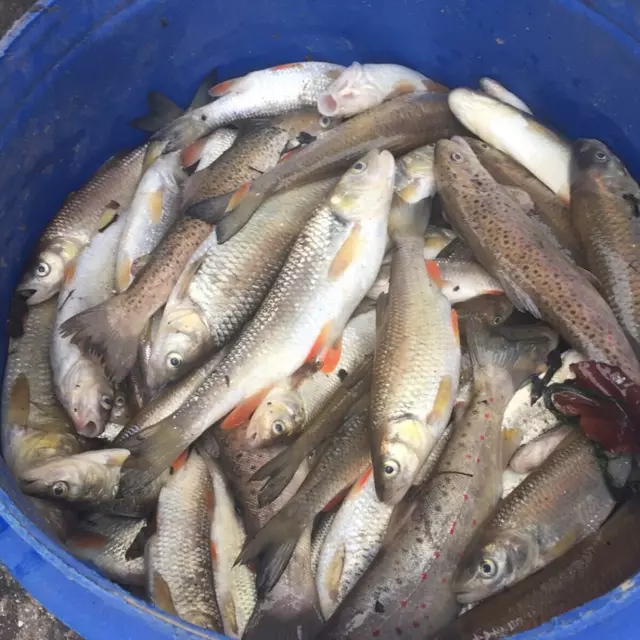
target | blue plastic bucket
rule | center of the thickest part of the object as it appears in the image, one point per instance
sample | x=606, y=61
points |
x=73, y=73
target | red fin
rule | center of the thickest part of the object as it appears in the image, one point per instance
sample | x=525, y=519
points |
x=287, y=65
x=455, y=326
x=331, y=358
x=401, y=87
x=180, y=461
x=237, y=197
x=287, y=154
x=221, y=88
x=320, y=343
x=88, y=540
x=360, y=482
x=191, y=154
x=434, y=273
x=214, y=553
x=336, y=500
x=492, y=292
x=244, y=410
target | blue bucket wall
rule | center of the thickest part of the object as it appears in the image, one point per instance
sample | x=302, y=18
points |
x=73, y=73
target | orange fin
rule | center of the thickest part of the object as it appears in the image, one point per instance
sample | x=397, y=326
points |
x=156, y=200
x=237, y=197
x=222, y=87
x=493, y=292
x=69, y=271
x=360, y=482
x=123, y=274
x=162, y=595
x=443, y=401
x=192, y=154
x=401, y=87
x=287, y=154
x=180, y=461
x=214, y=553
x=320, y=344
x=244, y=410
x=455, y=326
x=434, y=273
x=87, y=540
x=331, y=357
x=336, y=500
x=287, y=65
x=347, y=253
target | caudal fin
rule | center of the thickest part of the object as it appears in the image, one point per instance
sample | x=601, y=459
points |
x=109, y=333
x=162, y=111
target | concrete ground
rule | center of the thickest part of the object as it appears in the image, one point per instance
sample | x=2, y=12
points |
x=21, y=617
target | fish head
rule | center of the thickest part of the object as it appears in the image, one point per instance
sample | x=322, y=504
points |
x=45, y=275
x=88, y=397
x=279, y=416
x=366, y=188
x=180, y=341
x=414, y=179
x=396, y=460
x=305, y=126
x=354, y=91
x=435, y=240
x=480, y=112
x=491, y=565
x=92, y=475
x=492, y=310
x=455, y=161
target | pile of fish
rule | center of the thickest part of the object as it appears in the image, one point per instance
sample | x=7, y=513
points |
x=270, y=368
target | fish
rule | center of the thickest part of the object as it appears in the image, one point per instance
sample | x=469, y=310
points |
x=493, y=310
x=81, y=385
x=436, y=239
x=531, y=455
x=85, y=212
x=597, y=565
x=417, y=361
x=523, y=421
x=415, y=180
x=605, y=211
x=345, y=457
x=355, y=537
x=208, y=150
x=235, y=586
x=544, y=153
x=407, y=589
x=398, y=125
x=535, y=275
x=363, y=86
x=549, y=209
x=494, y=89
x=268, y=92
x=105, y=541
x=179, y=573
x=558, y=505
x=230, y=283
x=86, y=477
x=159, y=200
x=111, y=331
x=290, y=405
x=343, y=404
x=326, y=275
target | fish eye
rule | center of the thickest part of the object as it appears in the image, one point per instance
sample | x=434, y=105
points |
x=106, y=402
x=278, y=427
x=43, y=270
x=325, y=122
x=60, y=489
x=120, y=401
x=488, y=568
x=174, y=360
x=391, y=468
x=456, y=157
x=601, y=156
x=359, y=167
x=497, y=319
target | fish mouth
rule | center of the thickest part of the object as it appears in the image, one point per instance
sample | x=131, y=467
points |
x=25, y=294
x=327, y=105
x=467, y=597
x=90, y=430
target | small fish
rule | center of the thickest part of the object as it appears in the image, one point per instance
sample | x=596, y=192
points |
x=235, y=585
x=267, y=92
x=494, y=89
x=597, y=565
x=105, y=541
x=416, y=364
x=399, y=125
x=556, y=506
x=549, y=209
x=329, y=269
x=406, y=591
x=229, y=283
x=535, y=275
x=159, y=199
x=87, y=477
x=345, y=457
x=363, y=86
x=415, y=180
x=81, y=384
x=290, y=405
x=178, y=556
x=508, y=129
x=85, y=212
x=605, y=211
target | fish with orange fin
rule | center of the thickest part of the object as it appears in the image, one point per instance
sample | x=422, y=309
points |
x=328, y=272
x=417, y=359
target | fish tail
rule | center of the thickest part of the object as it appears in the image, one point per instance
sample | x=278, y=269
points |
x=109, y=332
x=162, y=111
x=242, y=206
x=519, y=357
x=279, y=471
x=202, y=96
x=212, y=210
x=272, y=566
x=408, y=220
